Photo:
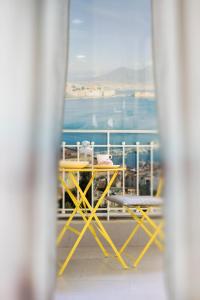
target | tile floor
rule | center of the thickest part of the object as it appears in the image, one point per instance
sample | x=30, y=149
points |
x=89, y=276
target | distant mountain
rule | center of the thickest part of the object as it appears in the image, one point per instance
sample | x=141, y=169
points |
x=126, y=75
x=80, y=76
x=121, y=75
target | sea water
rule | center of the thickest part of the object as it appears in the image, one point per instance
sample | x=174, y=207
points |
x=123, y=112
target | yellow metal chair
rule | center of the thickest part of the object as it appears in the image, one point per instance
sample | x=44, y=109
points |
x=143, y=205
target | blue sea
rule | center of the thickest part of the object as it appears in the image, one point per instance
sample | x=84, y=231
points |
x=122, y=112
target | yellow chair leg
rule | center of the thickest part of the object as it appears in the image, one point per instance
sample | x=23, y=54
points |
x=153, y=224
x=151, y=240
x=131, y=236
x=148, y=232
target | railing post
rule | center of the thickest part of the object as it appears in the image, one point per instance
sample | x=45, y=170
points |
x=63, y=176
x=108, y=137
x=137, y=168
x=92, y=144
x=151, y=167
x=123, y=165
x=78, y=150
x=78, y=158
x=108, y=175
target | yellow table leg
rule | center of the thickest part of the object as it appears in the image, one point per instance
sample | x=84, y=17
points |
x=92, y=215
x=76, y=244
x=86, y=190
x=66, y=226
x=91, y=228
x=103, y=230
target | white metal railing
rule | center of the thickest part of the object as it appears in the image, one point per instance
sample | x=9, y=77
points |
x=123, y=149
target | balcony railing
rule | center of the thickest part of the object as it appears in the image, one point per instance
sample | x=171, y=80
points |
x=141, y=159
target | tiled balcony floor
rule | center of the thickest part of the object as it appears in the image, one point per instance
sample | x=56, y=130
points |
x=90, y=276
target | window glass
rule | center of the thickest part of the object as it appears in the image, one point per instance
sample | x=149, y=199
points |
x=110, y=99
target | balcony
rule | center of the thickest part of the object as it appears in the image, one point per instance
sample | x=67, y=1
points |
x=90, y=275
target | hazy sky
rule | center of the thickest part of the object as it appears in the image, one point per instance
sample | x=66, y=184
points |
x=107, y=34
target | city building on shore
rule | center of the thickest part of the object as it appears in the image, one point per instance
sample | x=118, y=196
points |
x=144, y=94
x=86, y=91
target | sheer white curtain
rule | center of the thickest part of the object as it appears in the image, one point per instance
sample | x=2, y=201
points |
x=177, y=60
x=33, y=54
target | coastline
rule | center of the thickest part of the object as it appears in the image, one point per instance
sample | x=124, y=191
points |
x=96, y=98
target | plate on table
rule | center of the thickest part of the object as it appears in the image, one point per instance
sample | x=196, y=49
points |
x=73, y=164
x=106, y=166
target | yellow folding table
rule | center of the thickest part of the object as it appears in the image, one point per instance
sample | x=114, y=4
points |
x=87, y=212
